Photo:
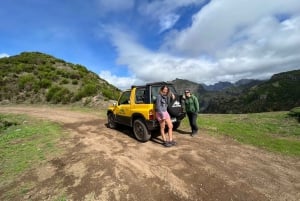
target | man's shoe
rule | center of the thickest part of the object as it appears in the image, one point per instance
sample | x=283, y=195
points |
x=194, y=132
x=173, y=142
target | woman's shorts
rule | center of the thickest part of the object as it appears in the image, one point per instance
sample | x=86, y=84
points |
x=165, y=115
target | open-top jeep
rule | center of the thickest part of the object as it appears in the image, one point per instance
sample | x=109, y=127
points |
x=136, y=108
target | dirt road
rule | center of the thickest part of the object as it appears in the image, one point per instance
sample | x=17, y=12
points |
x=104, y=164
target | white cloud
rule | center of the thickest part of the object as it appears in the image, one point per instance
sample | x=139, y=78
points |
x=120, y=82
x=168, y=21
x=228, y=40
x=164, y=11
x=3, y=55
x=214, y=25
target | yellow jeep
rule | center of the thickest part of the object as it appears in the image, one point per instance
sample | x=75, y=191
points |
x=135, y=108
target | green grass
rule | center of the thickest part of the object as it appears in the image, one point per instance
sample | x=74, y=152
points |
x=25, y=141
x=274, y=131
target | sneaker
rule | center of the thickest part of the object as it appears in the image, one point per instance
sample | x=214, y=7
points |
x=167, y=144
x=194, y=132
x=173, y=142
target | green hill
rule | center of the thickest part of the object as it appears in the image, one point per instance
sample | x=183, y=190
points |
x=34, y=77
x=281, y=92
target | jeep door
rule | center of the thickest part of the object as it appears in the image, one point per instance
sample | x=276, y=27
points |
x=123, y=114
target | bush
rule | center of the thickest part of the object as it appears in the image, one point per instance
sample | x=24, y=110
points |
x=45, y=83
x=110, y=94
x=57, y=94
x=74, y=82
x=6, y=122
x=64, y=81
x=295, y=112
x=27, y=82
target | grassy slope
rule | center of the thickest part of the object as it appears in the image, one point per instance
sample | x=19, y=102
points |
x=274, y=131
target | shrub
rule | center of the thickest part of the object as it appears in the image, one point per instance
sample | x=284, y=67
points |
x=27, y=82
x=57, y=94
x=45, y=83
x=64, y=81
x=110, y=94
x=74, y=82
x=87, y=90
x=295, y=112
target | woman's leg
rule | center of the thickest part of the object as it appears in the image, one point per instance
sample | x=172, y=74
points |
x=170, y=129
x=162, y=124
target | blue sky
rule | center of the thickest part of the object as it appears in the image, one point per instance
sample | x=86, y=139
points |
x=137, y=41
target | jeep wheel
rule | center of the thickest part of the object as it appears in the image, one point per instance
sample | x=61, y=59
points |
x=111, y=121
x=140, y=130
x=176, y=125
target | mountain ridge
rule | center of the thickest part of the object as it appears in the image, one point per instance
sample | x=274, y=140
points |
x=280, y=92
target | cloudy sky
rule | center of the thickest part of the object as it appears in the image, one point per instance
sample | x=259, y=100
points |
x=136, y=41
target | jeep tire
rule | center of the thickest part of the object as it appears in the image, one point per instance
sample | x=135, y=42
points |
x=111, y=121
x=140, y=130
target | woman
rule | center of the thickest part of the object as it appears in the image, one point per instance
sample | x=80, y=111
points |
x=192, y=109
x=163, y=116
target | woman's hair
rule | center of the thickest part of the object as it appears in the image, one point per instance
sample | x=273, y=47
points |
x=162, y=88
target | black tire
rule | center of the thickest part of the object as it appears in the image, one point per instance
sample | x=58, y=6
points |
x=140, y=130
x=176, y=125
x=111, y=121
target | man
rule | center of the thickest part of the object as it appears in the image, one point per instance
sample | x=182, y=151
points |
x=192, y=109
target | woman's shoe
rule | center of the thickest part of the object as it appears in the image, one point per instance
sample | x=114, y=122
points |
x=167, y=144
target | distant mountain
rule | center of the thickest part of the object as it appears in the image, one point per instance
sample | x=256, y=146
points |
x=182, y=84
x=248, y=83
x=220, y=86
x=281, y=92
x=34, y=77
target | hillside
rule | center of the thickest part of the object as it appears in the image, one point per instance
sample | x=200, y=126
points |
x=181, y=85
x=239, y=85
x=34, y=77
x=281, y=92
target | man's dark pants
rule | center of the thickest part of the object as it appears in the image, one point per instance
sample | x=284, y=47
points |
x=193, y=121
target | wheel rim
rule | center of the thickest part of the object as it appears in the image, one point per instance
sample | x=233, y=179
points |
x=139, y=130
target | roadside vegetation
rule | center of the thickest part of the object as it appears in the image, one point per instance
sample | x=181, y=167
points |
x=25, y=142
x=273, y=131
